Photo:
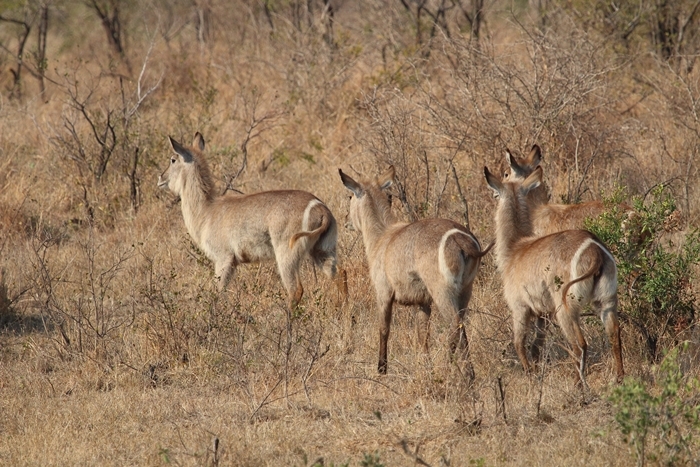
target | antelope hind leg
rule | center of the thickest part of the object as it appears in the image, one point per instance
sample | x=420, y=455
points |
x=385, y=311
x=521, y=323
x=423, y=326
x=608, y=314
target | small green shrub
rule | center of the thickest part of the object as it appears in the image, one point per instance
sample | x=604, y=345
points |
x=371, y=460
x=655, y=276
x=661, y=428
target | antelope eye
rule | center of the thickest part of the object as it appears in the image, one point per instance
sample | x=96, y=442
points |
x=172, y=161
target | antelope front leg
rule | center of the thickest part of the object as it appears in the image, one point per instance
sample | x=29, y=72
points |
x=225, y=270
x=341, y=284
x=616, y=342
x=540, y=332
x=385, y=310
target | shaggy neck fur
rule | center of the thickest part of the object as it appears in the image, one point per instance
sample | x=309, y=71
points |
x=513, y=222
x=374, y=216
x=197, y=193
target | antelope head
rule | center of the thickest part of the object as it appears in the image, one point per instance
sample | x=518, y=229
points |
x=520, y=170
x=366, y=196
x=181, y=161
x=515, y=189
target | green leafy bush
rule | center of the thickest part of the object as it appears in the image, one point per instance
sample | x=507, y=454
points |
x=655, y=275
x=664, y=427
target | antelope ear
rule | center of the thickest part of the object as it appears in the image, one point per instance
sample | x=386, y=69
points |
x=533, y=181
x=351, y=184
x=386, y=179
x=198, y=141
x=518, y=170
x=493, y=182
x=181, y=151
x=535, y=157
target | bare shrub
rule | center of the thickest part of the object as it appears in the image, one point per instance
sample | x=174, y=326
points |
x=669, y=29
x=676, y=103
x=84, y=308
x=399, y=134
x=548, y=88
x=100, y=129
x=18, y=21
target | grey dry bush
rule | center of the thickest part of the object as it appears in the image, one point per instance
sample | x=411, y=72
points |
x=679, y=105
x=548, y=89
x=85, y=306
x=669, y=29
x=99, y=130
x=399, y=135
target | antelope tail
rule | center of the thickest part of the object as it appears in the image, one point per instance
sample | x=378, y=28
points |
x=488, y=248
x=594, y=269
x=313, y=234
x=470, y=245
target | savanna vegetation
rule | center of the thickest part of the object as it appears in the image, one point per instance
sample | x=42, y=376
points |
x=116, y=347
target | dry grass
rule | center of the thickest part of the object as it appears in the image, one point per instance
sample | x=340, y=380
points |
x=115, y=348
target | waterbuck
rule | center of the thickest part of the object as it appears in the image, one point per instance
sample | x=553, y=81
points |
x=549, y=217
x=286, y=226
x=431, y=260
x=552, y=276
